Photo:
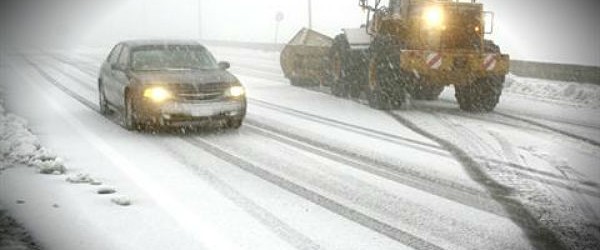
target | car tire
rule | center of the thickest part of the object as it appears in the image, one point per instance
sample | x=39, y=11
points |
x=104, y=109
x=234, y=123
x=298, y=82
x=481, y=96
x=377, y=100
x=129, y=116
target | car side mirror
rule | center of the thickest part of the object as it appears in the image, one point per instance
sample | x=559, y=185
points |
x=224, y=65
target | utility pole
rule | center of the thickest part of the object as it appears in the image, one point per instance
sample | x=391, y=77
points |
x=309, y=14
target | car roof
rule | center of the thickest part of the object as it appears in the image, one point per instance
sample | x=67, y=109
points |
x=137, y=43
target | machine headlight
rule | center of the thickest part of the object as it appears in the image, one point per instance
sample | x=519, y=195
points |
x=235, y=91
x=157, y=94
x=434, y=17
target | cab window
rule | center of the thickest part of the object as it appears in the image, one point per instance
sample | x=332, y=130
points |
x=124, y=57
x=114, y=54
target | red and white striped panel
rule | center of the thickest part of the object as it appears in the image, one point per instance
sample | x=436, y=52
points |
x=489, y=63
x=434, y=60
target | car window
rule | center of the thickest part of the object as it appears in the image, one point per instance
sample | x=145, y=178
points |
x=172, y=57
x=124, y=57
x=114, y=54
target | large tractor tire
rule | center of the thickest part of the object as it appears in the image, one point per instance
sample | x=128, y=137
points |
x=388, y=84
x=481, y=96
x=339, y=66
x=426, y=92
x=484, y=94
x=378, y=99
x=348, y=68
x=301, y=82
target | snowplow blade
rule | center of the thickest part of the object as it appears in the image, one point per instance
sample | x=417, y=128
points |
x=305, y=59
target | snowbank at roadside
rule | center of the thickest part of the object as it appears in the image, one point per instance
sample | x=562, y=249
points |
x=581, y=94
x=19, y=146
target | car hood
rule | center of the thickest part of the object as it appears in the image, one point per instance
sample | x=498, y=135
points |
x=194, y=77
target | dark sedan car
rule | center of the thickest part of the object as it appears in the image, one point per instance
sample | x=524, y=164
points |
x=169, y=83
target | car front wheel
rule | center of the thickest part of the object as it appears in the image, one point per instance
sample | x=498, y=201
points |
x=104, y=110
x=129, y=116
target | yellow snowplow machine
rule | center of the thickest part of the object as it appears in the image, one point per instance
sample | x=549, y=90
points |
x=305, y=59
x=407, y=49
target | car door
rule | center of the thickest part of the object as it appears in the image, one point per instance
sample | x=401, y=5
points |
x=120, y=77
x=107, y=75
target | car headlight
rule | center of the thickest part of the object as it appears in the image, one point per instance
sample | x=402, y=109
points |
x=235, y=91
x=157, y=94
x=434, y=17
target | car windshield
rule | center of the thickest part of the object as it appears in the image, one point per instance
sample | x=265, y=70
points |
x=172, y=57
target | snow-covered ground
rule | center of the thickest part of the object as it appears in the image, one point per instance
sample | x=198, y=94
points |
x=568, y=93
x=306, y=171
x=17, y=147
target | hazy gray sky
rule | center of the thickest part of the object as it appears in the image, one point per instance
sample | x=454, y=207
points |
x=562, y=31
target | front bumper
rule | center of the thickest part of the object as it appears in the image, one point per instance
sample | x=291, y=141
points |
x=186, y=113
x=203, y=109
x=453, y=67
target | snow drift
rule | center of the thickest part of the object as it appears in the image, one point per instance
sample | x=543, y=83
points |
x=19, y=146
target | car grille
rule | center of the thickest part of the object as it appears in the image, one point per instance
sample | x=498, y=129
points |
x=200, y=92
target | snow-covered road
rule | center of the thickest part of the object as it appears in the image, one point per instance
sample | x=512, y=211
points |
x=306, y=171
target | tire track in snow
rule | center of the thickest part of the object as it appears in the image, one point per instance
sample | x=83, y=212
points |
x=390, y=138
x=87, y=65
x=570, y=173
x=372, y=133
x=387, y=137
x=327, y=203
x=526, y=172
x=446, y=189
x=519, y=119
x=83, y=66
x=78, y=80
x=540, y=236
x=60, y=86
x=553, y=129
x=277, y=226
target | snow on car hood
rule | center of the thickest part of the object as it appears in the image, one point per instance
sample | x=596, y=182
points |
x=184, y=77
